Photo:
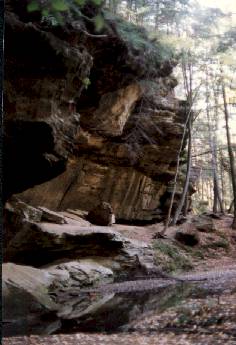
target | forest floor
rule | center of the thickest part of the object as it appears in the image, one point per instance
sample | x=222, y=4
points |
x=209, y=320
x=209, y=254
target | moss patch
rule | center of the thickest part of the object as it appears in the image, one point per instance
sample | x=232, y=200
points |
x=221, y=243
x=169, y=257
x=138, y=42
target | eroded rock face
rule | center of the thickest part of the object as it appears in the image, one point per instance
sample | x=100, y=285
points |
x=113, y=111
x=39, y=243
x=66, y=257
x=44, y=74
x=100, y=114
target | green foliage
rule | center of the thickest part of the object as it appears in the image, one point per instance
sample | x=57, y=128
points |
x=49, y=7
x=80, y=3
x=59, y=5
x=52, y=20
x=194, y=252
x=56, y=12
x=170, y=257
x=99, y=22
x=33, y=6
x=97, y=2
x=86, y=82
x=221, y=243
x=45, y=12
x=137, y=39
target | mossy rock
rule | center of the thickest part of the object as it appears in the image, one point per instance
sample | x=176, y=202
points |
x=169, y=257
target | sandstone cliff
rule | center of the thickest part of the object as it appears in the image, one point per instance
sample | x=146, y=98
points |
x=89, y=118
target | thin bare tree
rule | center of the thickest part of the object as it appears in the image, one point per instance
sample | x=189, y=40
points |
x=187, y=70
x=230, y=150
x=212, y=144
x=192, y=99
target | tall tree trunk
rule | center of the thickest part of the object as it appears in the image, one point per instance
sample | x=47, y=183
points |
x=222, y=179
x=217, y=196
x=215, y=200
x=186, y=205
x=215, y=152
x=168, y=218
x=187, y=70
x=187, y=178
x=212, y=144
x=230, y=210
x=230, y=150
x=186, y=66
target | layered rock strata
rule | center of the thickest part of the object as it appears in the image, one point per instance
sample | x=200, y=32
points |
x=89, y=119
x=30, y=240
x=48, y=263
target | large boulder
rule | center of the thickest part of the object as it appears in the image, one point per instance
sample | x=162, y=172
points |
x=102, y=214
x=41, y=243
x=31, y=284
x=80, y=273
x=26, y=300
x=33, y=298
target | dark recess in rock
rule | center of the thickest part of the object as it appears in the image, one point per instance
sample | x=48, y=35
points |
x=25, y=162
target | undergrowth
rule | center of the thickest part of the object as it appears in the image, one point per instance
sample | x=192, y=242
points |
x=169, y=257
x=221, y=243
x=138, y=41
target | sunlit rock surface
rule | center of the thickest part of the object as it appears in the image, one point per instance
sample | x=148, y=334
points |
x=89, y=119
x=35, y=242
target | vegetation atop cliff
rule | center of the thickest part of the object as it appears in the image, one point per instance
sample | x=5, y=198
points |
x=136, y=37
